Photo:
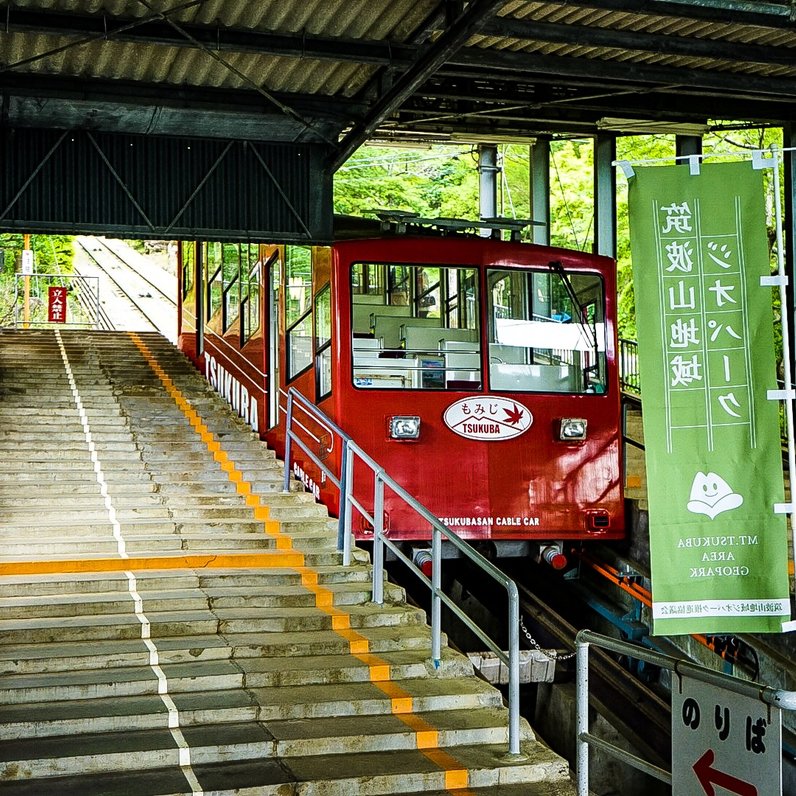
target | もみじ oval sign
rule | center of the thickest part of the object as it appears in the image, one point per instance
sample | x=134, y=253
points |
x=488, y=418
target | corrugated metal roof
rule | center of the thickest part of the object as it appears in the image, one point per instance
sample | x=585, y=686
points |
x=311, y=60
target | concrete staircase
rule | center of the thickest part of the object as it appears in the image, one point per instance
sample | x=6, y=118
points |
x=172, y=623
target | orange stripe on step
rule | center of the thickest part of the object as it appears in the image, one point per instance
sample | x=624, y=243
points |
x=402, y=705
x=231, y=561
x=421, y=727
x=358, y=645
x=379, y=673
x=341, y=621
x=426, y=737
x=457, y=780
x=283, y=543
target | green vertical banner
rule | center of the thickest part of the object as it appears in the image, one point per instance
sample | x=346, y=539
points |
x=719, y=553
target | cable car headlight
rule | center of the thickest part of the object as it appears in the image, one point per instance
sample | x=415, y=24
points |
x=573, y=429
x=404, y=427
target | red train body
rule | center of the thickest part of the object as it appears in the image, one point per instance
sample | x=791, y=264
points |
x=504, y=352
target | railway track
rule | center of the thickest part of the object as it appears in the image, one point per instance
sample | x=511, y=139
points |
x=164, y=293
x=91, y=307
x=141, y=293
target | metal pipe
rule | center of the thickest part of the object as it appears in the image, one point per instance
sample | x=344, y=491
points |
x=772, y=696
x=582, y=716
x=288, y=423
x=349, y=502
x=378, y=540
x=626, y=757
x=347, y=492
x=341, y=520
x=786, y=345
x=514, y=670
x=436, y=604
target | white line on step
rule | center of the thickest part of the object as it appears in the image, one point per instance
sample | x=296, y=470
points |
x=184, y=750
x=163, y=688
x=103, y=484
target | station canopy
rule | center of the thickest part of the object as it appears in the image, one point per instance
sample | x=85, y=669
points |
x=340, y=72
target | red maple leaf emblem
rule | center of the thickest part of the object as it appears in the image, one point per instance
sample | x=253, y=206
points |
x=514, y=417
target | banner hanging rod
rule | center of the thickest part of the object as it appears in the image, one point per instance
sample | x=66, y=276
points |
x=746, y=154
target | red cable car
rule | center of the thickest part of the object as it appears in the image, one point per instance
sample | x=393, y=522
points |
x=480, y=373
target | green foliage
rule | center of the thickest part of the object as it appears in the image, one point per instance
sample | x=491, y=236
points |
x=443, y=181
x=384, y=178
x=52, y=255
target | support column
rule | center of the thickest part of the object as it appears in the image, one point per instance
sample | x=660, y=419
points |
x=540, y=190
x=789, y=140
x=687, y=145
x=487, y=185
x=604, y=195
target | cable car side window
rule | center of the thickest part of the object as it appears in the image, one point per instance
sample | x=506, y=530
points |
x=298, y=309
x=214, y=277
x=188, y=259
x=231, y=279
x=250, y=274
x=323, y=342
x=546, y=331
x=415, y=327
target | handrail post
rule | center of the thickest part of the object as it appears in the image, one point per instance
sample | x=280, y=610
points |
x=343, y=497
x=288, y=423
x=378, y=539
x=97, y=309
x=346, y=491
x=582, y=717
x=436, y=602
x=514, y=669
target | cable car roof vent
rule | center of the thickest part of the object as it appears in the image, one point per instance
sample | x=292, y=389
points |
x=402, y=221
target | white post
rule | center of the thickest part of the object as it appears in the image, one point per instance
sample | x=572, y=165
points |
x=582, y=717
x=786, y=351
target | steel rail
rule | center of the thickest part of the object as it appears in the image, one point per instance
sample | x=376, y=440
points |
x=136, y=271
x=121, y=288
x=102, y=320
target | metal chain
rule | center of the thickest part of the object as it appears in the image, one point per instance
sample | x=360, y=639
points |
x=554, y=655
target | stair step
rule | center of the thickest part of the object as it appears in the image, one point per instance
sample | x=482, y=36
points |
x=110, y=683
x=131, y=751
x=215, y=597
x=273, y=694
x=60, y=655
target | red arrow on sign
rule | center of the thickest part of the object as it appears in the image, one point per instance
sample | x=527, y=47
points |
x=709, y=777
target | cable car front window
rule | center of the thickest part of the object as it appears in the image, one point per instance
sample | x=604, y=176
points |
x=546, y=331
x=418, y=330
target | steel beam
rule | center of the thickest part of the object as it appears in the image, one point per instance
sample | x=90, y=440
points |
x=229, y=40
x=487, y=182
x=777, y=15
x=432, y=59
x=395, y=54
x=593, y=36
x=540, y=189
x=605, y=195
x=687, y=145
x=493, y=62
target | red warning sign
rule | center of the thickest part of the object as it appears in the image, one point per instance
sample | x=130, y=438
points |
x=56, y=305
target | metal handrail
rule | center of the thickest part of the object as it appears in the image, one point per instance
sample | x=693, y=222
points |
x=784, y=700
x=90, y=305
x=629, y=378
x=348, y=502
